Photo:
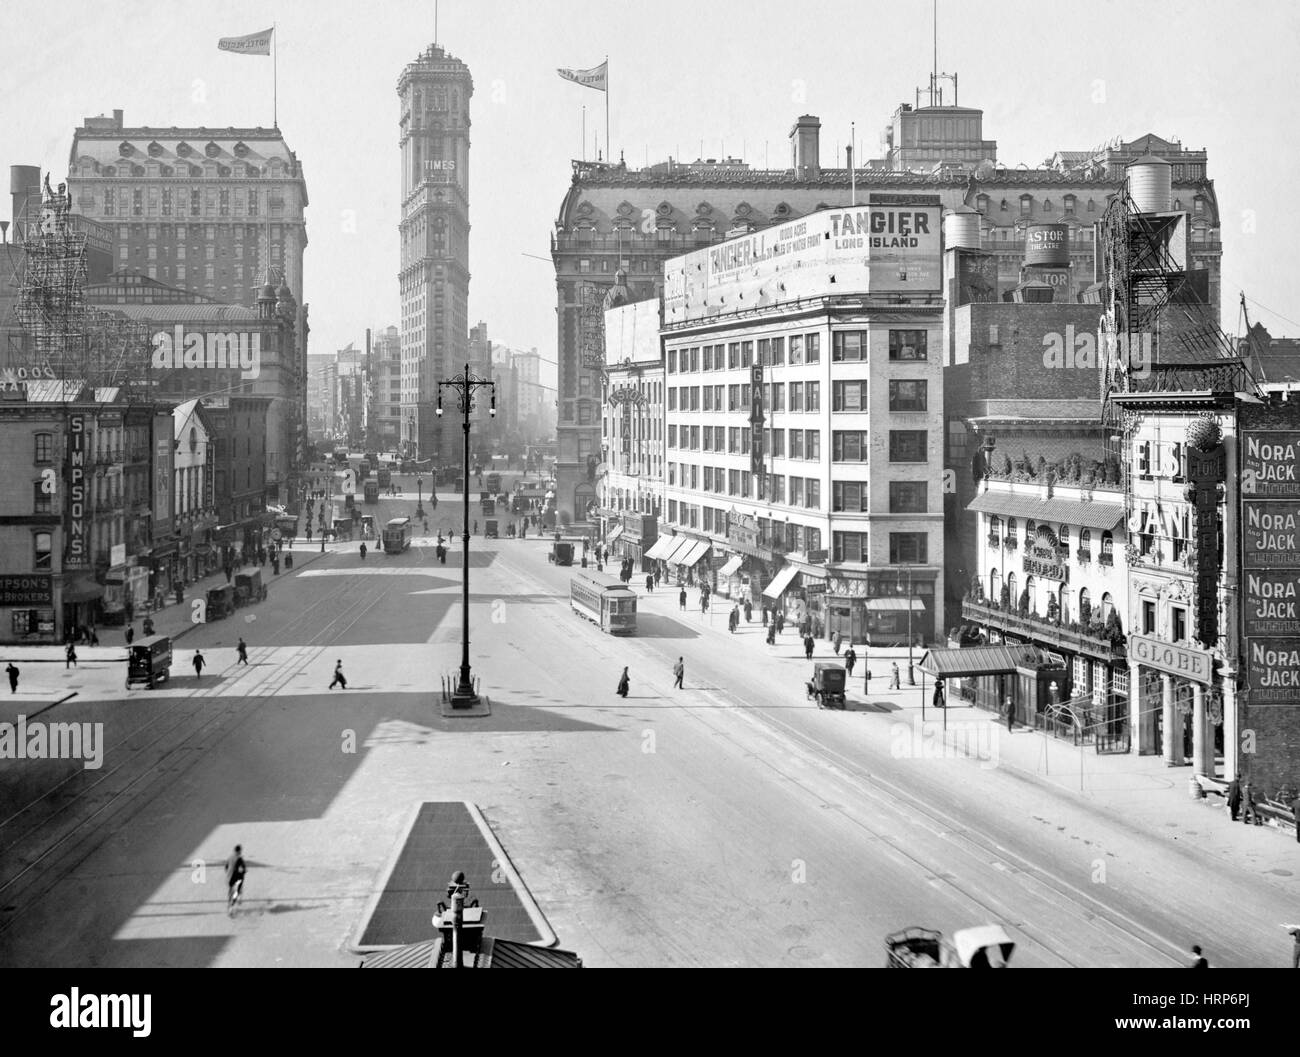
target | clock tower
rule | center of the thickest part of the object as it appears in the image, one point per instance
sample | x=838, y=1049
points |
x=434, y=278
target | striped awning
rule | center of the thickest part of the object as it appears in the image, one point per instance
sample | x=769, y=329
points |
x=681, y=544
x=776, y=586
x=731, y=566
x=693, y=554
x=614, y=534
x=890, y=605
x=662, y=547
x=1054, y=511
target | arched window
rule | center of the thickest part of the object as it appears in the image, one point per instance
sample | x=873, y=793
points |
x=1085, y=606
x=1063, y=599
x=1064, y=537
x=1107, y=548
x=1031, y=589
x=1029, y=531
x=1013, y=599
x=1085, y=542
x=995, y=585
x=1011, y=528
x=1107, y=606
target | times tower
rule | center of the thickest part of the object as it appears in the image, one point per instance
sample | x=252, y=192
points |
x=434, y=227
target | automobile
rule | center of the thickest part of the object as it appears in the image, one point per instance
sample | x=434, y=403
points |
x=827, y=685
x=249, y=588
x=149, y=661
x=220, y=601
x=491, y=529
x=981, y=947
x=561, y=553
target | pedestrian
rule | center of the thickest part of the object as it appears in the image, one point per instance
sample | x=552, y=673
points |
x=130, y=635
x=894, y=683
x=771, y=634
x=866, y=678
x=199, y=662
x=938, y=701
x=850, y=660
x=12, y=672
x=808, y=645
x=1250, y=813
x=623, y=683
x=780, y=623
x=236, y=868
x=308, y=533
x=242, y=650
x=70, y=656
x=836, y=639
x=733, y=618
x=363, y=551
x=94, y=635
x=681, y=599
x=476, y=523
x=765, y=615
x=322, y=541
x=649, y=582
x=275, y=565
x=1011, y=714
x=338, y=676
x=679, y=671
x=1234, y=798
x=1199, y=961
x=749, y=611
x=229, y=570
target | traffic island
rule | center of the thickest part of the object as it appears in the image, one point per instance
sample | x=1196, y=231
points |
x=454, y=703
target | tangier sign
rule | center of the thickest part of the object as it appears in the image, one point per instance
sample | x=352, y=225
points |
x=221, y=350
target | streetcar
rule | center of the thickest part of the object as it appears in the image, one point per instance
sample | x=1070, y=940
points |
x=372, y=492
x=385, y=477
x=397, y=535
x=604, y=600
x=494, y=483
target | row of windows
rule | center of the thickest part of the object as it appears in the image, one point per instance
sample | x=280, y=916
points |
x=1062, y=535
x=904, y=395
x=847, y=346
x=847, y=445
x=118, y=202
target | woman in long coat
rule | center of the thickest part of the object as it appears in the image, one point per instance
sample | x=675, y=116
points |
x=623, y=684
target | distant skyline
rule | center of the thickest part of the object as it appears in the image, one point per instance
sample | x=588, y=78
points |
x=687, y=79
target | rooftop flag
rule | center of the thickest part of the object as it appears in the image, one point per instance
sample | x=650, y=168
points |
x=596, y=77
x=253, y=44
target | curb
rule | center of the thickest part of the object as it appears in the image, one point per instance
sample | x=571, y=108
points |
x=549, y=938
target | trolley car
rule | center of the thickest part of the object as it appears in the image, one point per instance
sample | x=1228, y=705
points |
x=397, y=535
x=604, y=600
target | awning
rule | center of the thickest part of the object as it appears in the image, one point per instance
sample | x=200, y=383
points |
x=732, y=564
x=776, y=586
x=662, y=547
x=974, y=661
x=814, y=572
x=682, y=545
x=894, y=605
x=697, y=551
x=614, y=534
x=1103, y=516
x=82, y=589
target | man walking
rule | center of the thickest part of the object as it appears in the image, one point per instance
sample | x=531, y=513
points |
x=681, y=599
x=623, y=683
x=199, y=662
x=938, y=700
x=679, y=671
x=850, y=659
x=12, y=672
x=1234, y=798
x=836, y=640
x=1249, y=812
x=808, y=645
x=338, y=676
x=242, y=650
x=1011, y=714
x=70, y=656
x=130, y=635
x=1199, y=961
x=894, y=684
x=649, y=582
x=235, y=870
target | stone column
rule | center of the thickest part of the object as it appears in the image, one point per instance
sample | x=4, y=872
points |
x=1200, y=734
x=1172, y=744
x=1231, y=728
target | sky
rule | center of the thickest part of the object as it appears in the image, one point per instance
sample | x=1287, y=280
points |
x=687, y=78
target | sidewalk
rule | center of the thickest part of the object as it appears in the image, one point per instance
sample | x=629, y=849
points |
x=174, y=620
x=1133, y=790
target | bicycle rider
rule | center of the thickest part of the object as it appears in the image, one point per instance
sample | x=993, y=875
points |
x=235, y=870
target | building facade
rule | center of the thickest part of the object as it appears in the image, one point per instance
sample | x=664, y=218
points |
x=804, y=410
x=194, y=500
x=435, y=92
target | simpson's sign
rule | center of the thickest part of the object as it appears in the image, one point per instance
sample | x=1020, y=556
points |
x=879, y=247
x=197, y=350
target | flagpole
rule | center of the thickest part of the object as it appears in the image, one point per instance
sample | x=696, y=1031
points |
x=275, y=77
x=609, y=157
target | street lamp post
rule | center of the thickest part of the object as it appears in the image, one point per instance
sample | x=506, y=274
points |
x=419, y=502
x=911, y=677
x=464, y=386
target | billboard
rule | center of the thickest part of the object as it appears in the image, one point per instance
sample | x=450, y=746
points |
x=1269, y=461
x=76, y=552
x=890, y=245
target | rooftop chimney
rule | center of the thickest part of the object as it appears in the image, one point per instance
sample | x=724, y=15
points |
x=117, y=118
x=805, y=147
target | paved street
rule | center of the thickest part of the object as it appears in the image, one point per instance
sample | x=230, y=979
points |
x=730, y=823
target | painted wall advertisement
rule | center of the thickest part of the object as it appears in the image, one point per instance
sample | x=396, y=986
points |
x=890, y=245
x=1270, y=552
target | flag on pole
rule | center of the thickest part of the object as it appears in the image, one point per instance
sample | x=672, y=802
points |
x=596, y=77
x=253, y=44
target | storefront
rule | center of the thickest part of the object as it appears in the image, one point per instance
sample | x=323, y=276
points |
x=637, y=534
x=126, y=593
x=1177, y=711
x=27, y=608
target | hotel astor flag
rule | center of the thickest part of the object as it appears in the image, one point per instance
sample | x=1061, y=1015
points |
x=253, y=44
x=596, y=77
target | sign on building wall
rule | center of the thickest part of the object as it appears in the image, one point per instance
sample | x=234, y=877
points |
x=162, y=479
x=1270, y=553
x=1044, y=557
x=76, y=552
x=756, y=453
x=1206, y=470
x=35, y=590
x=591, y=326
x=892, y=244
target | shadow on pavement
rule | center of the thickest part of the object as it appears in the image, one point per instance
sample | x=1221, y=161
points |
x=650, y=626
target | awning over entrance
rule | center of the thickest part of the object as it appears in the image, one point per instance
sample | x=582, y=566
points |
x=614, y=534
x=1054, y=511
x=733, y=563
x=977, y=660
x=894, y=605
x=82, y=589
x=682, y=545
x=662, y=547
x=694, y=554
x=776, y=586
